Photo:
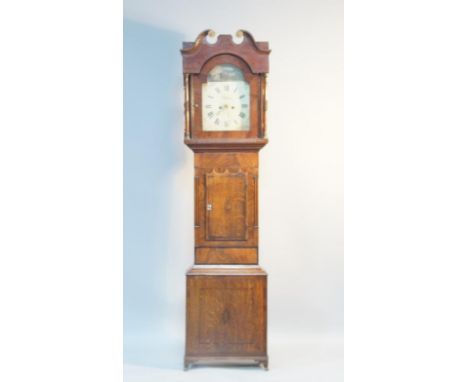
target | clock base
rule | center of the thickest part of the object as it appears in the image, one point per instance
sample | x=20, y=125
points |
x=226, y=315
x=226, y=361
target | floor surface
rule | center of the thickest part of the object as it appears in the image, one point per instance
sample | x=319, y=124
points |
x=311, y=358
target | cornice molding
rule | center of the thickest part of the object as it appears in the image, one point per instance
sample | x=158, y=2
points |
x=254, y=53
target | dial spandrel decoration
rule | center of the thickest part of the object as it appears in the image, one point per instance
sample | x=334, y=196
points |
x=226, y=100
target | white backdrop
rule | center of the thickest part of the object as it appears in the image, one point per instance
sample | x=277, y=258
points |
x=301, y=180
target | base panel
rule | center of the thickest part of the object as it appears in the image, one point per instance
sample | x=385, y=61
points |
x=226, y=315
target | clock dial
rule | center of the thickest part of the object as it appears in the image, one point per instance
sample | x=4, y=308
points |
x=226, y=100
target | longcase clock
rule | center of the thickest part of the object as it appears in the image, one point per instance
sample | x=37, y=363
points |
x=225, y=105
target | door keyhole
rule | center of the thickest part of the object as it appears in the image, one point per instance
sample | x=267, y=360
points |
x=226, y=316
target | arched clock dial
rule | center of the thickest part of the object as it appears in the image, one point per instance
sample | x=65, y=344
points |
x=226, y=100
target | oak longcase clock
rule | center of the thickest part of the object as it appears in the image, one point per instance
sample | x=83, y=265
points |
x=225, y=105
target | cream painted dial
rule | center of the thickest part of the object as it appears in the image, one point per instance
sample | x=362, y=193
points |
x=226, y=100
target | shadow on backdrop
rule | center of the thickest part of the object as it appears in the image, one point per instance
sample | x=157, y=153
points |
x=152, y=150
